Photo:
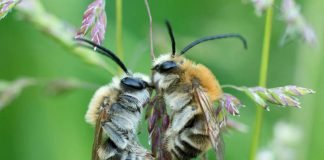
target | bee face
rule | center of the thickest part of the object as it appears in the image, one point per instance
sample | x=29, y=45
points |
x=131, y=83
x=166, y=67
x=166, y=70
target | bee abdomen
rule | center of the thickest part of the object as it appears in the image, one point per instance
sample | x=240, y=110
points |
x=188, y=145
x=109, y=151
x=185, y=150
x=190, y=142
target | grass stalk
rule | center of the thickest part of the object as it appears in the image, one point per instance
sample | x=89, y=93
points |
x=262, y=81
x=119, y=29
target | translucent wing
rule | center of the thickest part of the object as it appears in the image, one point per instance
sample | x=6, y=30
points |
x=102, y=116
x=213, y=127
x=97, y=137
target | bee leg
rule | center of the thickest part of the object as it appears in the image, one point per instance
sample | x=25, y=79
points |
x=132, y=156
x=181, y=118
x=124, y=156
x=107, y=150
x=137, y=152
x=124, y=122
x=123, y=119
x=119, y=139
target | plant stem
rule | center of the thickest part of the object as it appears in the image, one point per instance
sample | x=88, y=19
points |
x=310, y=73
x=119, y=29
x=262, y=81
x=151, y=29
x=233, y=87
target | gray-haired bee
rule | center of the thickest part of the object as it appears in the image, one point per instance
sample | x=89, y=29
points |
x=189, y=91
x=115, y=110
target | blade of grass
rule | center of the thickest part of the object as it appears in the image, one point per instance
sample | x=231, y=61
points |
x=309, y=72
x=262, y=81
x=119, y=30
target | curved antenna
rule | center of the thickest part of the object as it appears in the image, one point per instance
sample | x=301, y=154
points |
x=104, y=51
x=221, y=36
x=171, y=37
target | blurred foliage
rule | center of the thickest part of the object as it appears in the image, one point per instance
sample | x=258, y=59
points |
x=36, y=126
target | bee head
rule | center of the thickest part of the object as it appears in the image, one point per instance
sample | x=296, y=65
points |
x=135, y=82
x=167, y=69
x=166, y=64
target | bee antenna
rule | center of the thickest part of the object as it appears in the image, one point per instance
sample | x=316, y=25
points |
x=104, y=51
x=171, y=37
x=221, y=36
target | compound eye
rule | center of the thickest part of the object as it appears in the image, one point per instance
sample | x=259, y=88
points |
x=133, y=83
x=167, y=66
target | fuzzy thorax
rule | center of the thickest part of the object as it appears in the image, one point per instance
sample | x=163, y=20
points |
x=187, y=72
x=205, y=77
x=106, y=91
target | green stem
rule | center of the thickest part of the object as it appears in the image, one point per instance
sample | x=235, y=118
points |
x=233, y=87
x=262, y=81
x=119, y=29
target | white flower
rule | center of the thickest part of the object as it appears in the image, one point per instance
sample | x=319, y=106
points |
x=261, y=5
x=283, y=145
x=265, y=155
x=296, y=23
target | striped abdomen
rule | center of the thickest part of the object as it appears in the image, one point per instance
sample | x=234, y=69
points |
x=192, y=139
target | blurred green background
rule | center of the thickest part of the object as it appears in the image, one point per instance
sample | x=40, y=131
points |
x=37, y=126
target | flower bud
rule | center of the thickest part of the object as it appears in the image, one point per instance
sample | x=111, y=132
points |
x=230, y=103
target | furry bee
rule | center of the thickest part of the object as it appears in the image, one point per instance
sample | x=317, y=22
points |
x=189, y=91
x=115, y=110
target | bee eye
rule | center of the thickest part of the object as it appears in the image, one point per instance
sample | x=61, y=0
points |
x=167, y=66
x=133, y=83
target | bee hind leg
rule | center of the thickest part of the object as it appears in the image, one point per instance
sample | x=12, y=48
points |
x=116, y=136
x=107, y=151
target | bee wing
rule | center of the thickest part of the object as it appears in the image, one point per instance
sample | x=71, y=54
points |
x=98, y=136
x=213, y=127
x=102, y=117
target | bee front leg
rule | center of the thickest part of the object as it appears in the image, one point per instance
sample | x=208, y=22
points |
x=118, y=137
x=181, y=118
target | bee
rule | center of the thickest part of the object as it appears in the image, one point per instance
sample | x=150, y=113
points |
x=189, y=90
x=115, y=110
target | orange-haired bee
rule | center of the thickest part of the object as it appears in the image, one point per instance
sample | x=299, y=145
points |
x=115, y=110
x=189, y=91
